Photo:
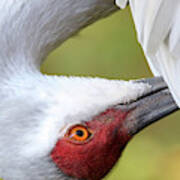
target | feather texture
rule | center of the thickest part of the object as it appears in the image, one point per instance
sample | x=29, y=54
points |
x=158, y=30
x=32, y=29
x=37, y=109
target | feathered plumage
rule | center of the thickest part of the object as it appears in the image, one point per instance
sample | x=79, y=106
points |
x=158, y=29
x=36, y=111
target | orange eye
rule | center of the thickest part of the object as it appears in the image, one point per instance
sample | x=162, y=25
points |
x=79, y=133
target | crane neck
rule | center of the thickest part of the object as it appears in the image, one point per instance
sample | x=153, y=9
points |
x=30, y=30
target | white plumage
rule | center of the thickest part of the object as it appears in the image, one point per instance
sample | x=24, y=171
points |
x=37, y=109
x=158, y=28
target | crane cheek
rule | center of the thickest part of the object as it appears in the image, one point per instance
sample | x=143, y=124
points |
x=95, y=159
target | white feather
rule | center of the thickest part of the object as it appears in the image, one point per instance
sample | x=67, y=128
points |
x=121, y=3
x=158, y=29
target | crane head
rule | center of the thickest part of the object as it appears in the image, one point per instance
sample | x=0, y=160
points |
x=89, y=150
x=75, y=127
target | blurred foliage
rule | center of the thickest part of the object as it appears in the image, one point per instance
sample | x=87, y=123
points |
x=109, y=49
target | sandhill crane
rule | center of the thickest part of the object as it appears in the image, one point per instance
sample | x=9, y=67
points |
x=59, y=128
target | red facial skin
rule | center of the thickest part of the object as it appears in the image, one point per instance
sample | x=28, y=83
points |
x=94, y=158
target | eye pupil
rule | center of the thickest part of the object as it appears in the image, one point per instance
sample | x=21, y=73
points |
x=79, y=133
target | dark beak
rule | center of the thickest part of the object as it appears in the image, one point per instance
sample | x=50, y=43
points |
x=149, y=108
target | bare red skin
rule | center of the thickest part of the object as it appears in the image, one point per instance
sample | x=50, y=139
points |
x=93, y=159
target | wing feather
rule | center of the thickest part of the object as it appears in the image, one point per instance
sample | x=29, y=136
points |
x=158, y=28
x=174, y=38
x=153, y=21
x=121, y=3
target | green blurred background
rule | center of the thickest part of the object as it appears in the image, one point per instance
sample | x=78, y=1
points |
x=109, y=49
